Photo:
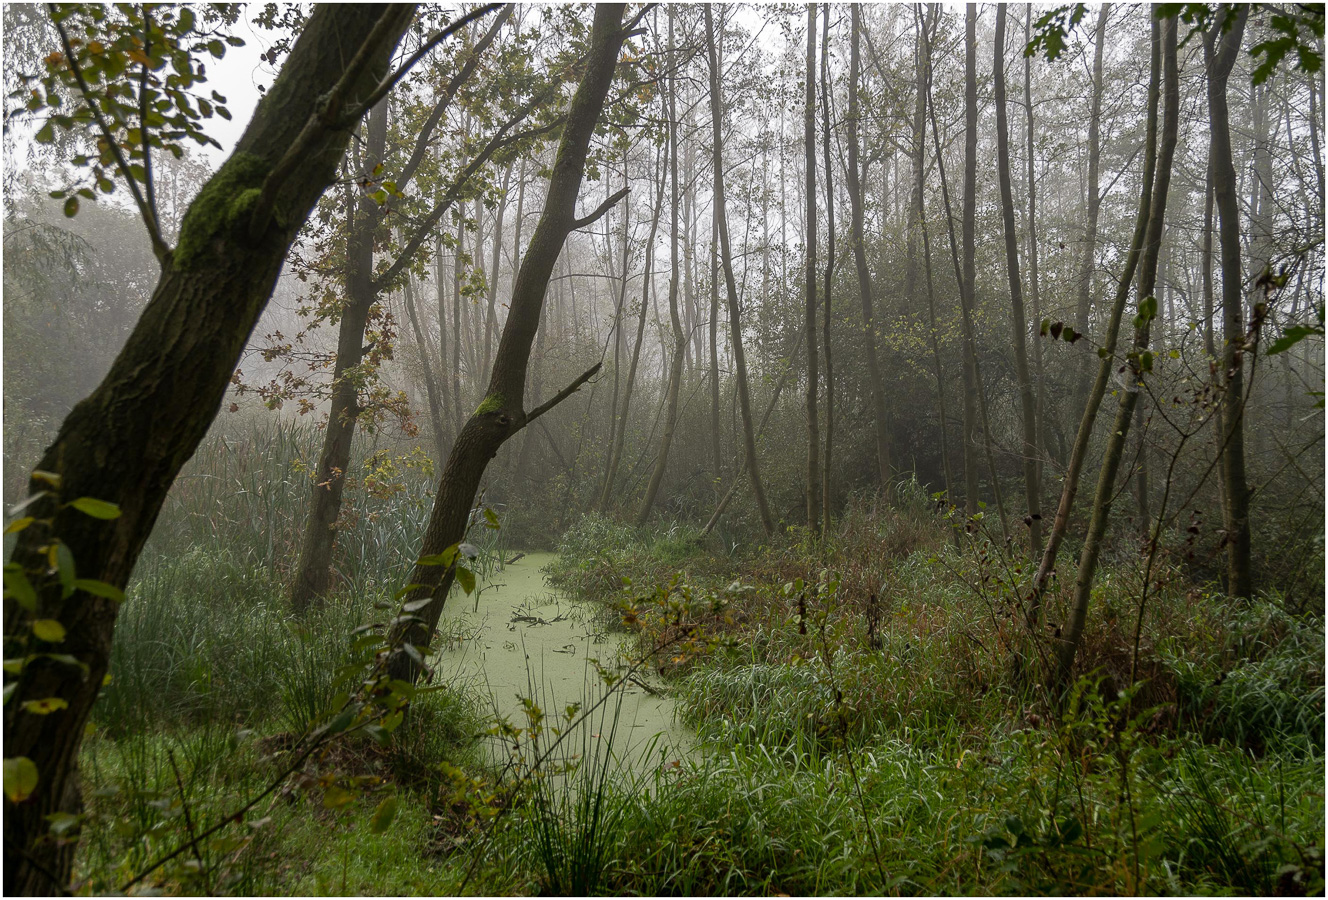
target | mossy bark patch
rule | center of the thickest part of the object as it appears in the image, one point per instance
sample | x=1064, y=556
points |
x=492, y=404
x=222, y=203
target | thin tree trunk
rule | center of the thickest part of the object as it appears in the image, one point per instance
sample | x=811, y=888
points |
x=502, y=413
x=618, y=424
x=679, y=335
x=715, y=451
x=880, y=418
x=491, y=317
x=726, y=262
x=126, y=442
x=1028, y=406
x=430, y=382
x=813, y=478
x=1034, y=285
x=1164, y=42
x=1084, y=306
x=829, y=264
x=1220, y=51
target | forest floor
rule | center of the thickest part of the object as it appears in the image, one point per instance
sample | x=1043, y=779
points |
x=865, y=713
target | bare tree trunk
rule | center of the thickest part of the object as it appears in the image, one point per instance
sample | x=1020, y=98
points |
x=880, y=418
x=679, y=335
x=491, y=317
x=1034, y=286
x=829, y=264
x=126, y=442
x=715, y=451
x=1164, y=43
x=618, y=424
x=813, y=481
x=313, y=573
x=502, y=413
x=1221, y=46
x=726, y=262
x=1028, y=407
x=430, y=382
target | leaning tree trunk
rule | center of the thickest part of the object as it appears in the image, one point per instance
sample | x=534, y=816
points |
x=313, y=574
x=1032, y=489
x=679, y=335
x=1084, y=304
x=502, y=413
x=726, y=260
x=813, y=480
x=1107, y=362
x=880, y=419
x=127, y=441
x=1220, y=50
x=1164, y=43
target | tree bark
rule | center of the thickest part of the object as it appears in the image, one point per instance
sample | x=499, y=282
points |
x=430, y=381
x=1084, y=306
x=1164, y=42
x=1034, y=284
x=127, y=441
x=1028, y=407
x=502, y=412
x=1220, y=51
x=726, y=262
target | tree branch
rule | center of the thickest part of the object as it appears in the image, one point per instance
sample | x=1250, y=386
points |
x=562, y=395
x=159, y=248
x=390, y=81
x=599, y=211
x=326, y=116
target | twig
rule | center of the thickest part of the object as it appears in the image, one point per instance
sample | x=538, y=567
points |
x=189, y=823
x=562, y=395
x=599, y=211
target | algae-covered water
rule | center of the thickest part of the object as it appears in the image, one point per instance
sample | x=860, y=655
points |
x=520, y=639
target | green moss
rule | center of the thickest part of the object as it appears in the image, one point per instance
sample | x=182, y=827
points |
x=223, y=201
x=492, y=404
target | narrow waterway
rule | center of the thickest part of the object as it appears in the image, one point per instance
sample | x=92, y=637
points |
x=519, y=639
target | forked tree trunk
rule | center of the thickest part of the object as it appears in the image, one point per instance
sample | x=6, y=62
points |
x=127, y=441
x=1028, y=407
x=880, y=420
x=502, y=412
x=726, y=263
x=1220, y=51
x=1107, y=361
x=1164, y=43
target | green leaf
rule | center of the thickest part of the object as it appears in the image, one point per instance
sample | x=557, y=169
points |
x=217, y=49
x=45, y=706
x=384, y=814
x=18, y=525
x=48, y=630
x=466, y=579
x=1291, y=337
x=98, y=509
x=62, y=822
x=379, y=734
x=336, y=797
x=491, y=518
x=71, y=207
x=64, y=559
x=1147, y=311
x=446, y=558
x=341, y=722
x=99, y=589
x=9, y=690
x=19, y=588
x=20, y=778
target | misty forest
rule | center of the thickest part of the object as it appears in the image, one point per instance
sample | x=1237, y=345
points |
x=664, y=449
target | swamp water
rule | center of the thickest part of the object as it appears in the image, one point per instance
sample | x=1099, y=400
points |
x=521, y=639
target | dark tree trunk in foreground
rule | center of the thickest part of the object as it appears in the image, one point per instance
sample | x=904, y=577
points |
x=813, y=480
x=127, y=441
x=879, y=415
x=502, y=413
x=1164, y=34
x=1220, y=51
x=726, y=261
x=313, y=575
x=1032, y=490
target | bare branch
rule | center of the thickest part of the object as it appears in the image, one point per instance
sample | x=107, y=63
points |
x=599, y=211
x=563, y=394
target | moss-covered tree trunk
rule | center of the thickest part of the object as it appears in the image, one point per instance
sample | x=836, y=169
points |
x=502, y=414
x=127, y=441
